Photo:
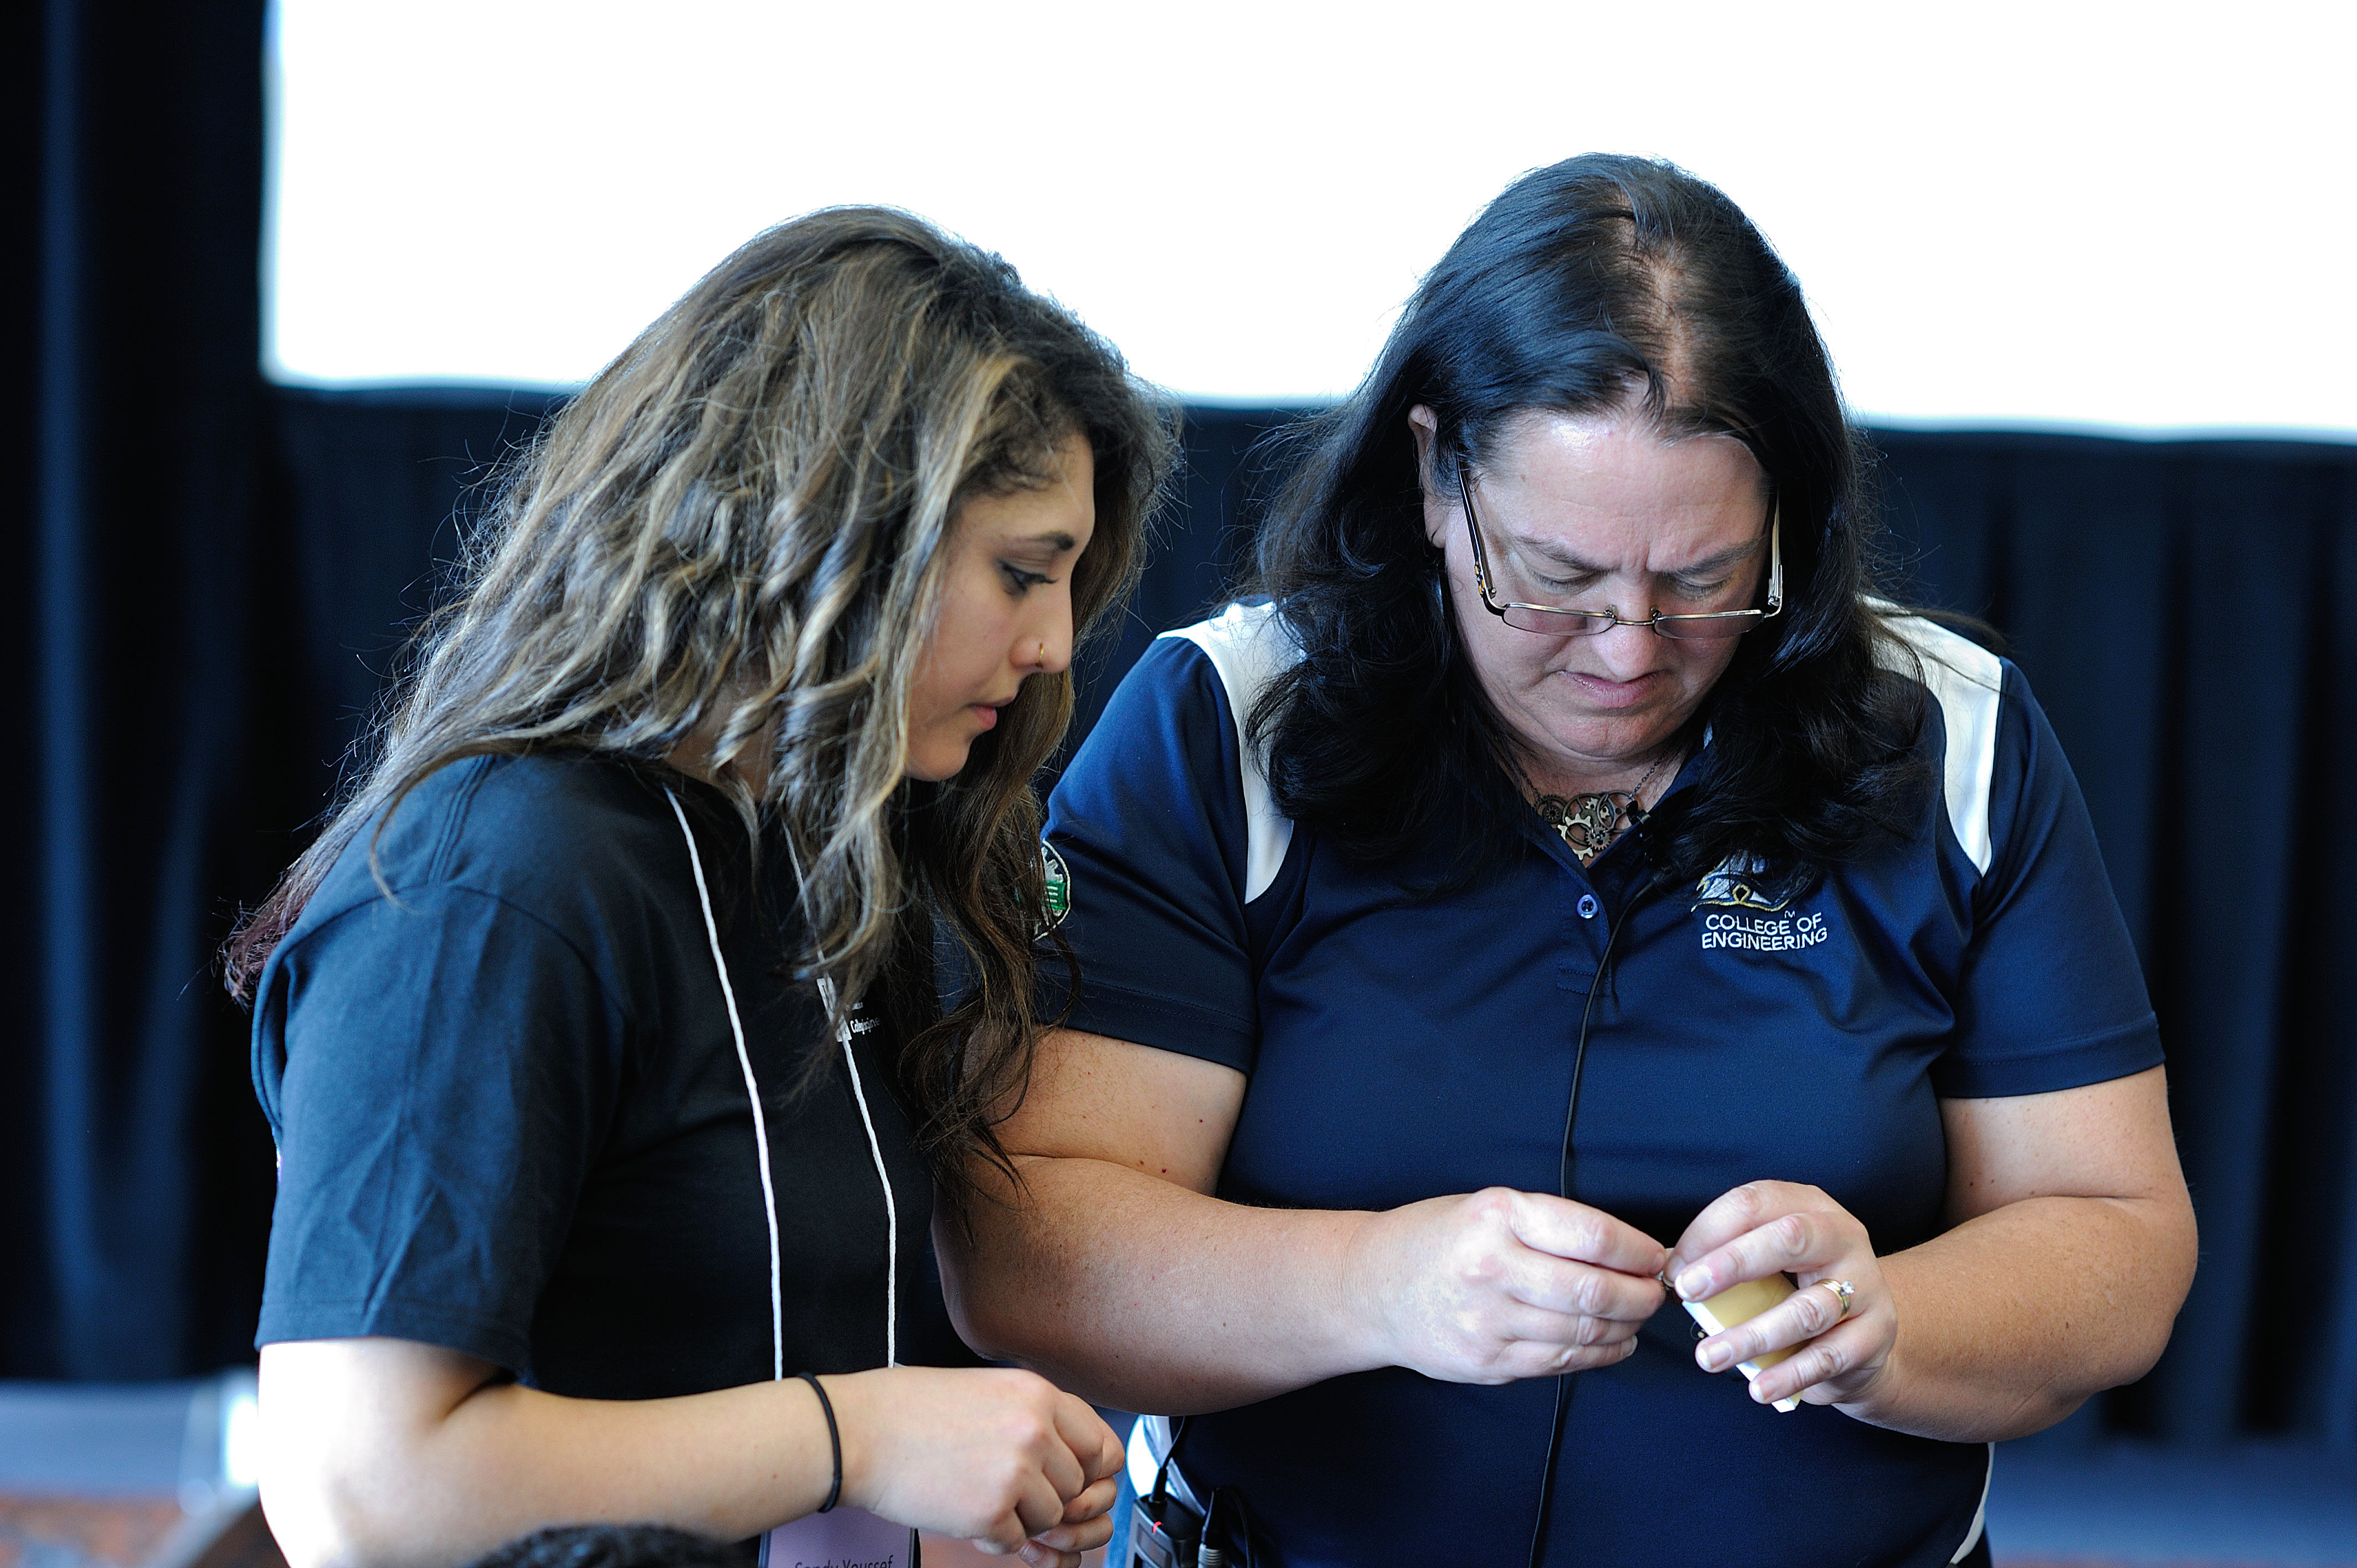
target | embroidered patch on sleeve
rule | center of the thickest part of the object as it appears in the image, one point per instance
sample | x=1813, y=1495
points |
x=1056, y=899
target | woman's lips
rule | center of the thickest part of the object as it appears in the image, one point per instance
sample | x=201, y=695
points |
x=1601, y=692
x=985, y=713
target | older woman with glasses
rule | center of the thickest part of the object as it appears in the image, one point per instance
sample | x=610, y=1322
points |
x=1565, y=888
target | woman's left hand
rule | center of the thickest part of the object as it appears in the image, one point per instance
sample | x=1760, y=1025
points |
x=1769, y=1226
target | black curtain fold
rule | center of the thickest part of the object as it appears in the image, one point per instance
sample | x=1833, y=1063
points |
x=133, y=1173
x=2185, y=611
x=218, y=575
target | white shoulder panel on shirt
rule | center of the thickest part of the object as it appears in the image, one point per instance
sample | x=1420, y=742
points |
x=1967, y=681
x=1248, y=645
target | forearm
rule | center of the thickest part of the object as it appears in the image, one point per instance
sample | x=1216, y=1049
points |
x=426, y=1488
x=2009, y=1322
x=1143, y=1294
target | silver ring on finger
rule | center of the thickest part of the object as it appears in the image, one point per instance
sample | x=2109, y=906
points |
x=1843, y=1293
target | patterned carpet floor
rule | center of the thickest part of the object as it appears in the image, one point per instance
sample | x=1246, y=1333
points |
x=91, y=1477
x=83, y=1532
x=54, y=1532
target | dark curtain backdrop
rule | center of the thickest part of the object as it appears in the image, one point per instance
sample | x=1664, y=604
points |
x=2187, y=615
x=218, y=574
x=137, y=1174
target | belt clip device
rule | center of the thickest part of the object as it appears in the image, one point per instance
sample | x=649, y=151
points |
x=1164, y=1533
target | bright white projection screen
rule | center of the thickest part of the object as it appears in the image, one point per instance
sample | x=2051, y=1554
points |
x=2052, y=216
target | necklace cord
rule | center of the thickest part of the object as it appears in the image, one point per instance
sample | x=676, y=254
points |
x=1597, y=815
x=761, y=1132
x=826, y=998
x=891, y=1209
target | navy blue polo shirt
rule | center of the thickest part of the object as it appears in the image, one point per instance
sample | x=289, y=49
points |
x=1404, y=1047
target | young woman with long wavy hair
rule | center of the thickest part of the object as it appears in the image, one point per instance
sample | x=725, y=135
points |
x=598, y=1029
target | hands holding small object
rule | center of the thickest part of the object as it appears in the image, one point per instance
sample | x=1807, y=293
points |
x=1828, y=1342
x=1497, y=1286
x=1491, y=1287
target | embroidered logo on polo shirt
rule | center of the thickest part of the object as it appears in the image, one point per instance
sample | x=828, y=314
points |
x=1056, y=899
x=1742, y=917
x=1733, y=883
x=1761, y=933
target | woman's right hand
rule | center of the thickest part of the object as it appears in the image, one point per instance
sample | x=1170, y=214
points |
x=1000, y=1457
x=1497, y=1286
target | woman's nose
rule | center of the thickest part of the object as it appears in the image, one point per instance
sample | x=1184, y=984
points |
x=1046, y=647
x=1627, y=652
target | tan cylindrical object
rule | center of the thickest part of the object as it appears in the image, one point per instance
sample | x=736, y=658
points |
x=1740, y=1303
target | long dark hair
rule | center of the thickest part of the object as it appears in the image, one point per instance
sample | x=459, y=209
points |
x=1599, y=285
x=738, y=527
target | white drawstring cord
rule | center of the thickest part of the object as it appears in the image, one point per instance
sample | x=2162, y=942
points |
x=760, y=1129
x=891, y=1209
x=752, y=1091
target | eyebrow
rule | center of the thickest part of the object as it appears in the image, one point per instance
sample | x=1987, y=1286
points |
x=1057, y=542
x=1554, y=552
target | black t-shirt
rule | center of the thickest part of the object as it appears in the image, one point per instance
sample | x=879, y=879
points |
x=510, y=1116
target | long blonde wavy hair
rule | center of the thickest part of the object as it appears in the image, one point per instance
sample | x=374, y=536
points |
x=737, y=530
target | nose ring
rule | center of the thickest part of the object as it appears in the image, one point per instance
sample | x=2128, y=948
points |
x=1043, y=654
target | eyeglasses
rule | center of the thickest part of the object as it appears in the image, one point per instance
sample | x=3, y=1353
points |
x=1549, y=621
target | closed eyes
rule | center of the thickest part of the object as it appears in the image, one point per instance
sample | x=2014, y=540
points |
x=1680, y=587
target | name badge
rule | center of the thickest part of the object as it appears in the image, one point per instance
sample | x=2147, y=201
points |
x=840, y=1538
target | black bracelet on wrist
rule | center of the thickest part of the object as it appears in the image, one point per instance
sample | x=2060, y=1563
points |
x=834, y=1438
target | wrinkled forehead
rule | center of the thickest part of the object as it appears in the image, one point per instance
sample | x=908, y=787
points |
x=1615, y=464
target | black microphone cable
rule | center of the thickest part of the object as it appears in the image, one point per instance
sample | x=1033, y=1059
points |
x=1637, y=821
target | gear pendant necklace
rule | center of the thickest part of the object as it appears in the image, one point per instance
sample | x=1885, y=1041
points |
x=1590, y=823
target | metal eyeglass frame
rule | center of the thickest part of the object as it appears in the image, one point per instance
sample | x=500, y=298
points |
x=1708, y=626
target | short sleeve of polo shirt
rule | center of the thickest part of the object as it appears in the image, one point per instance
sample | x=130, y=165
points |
x=2051, y=995
x=448, y=1061
x=1150, y=820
